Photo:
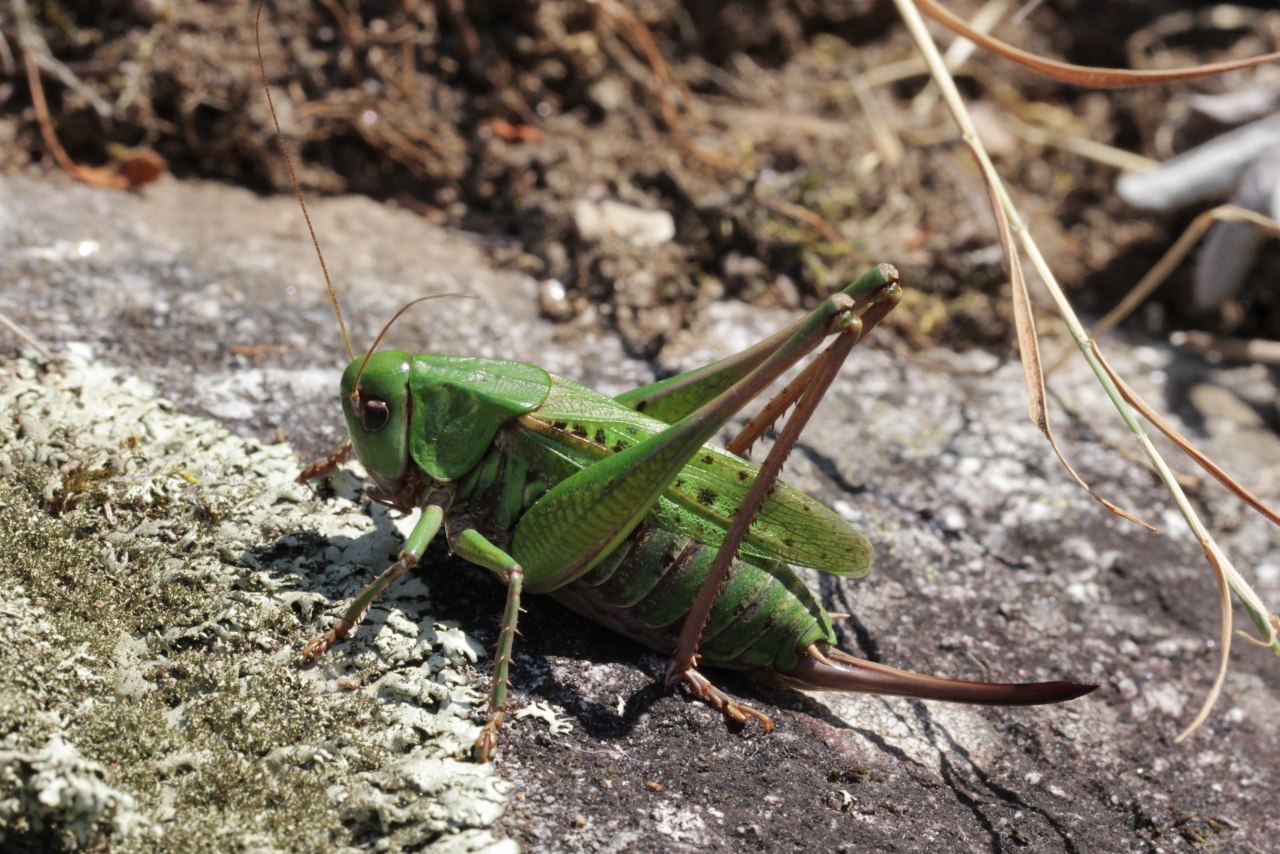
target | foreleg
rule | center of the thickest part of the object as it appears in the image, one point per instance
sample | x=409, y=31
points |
x=321, y=467
x=414, y=548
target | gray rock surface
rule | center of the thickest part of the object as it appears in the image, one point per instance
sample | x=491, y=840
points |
x=161, y=573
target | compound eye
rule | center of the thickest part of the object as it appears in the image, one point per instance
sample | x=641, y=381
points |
x=375, y=416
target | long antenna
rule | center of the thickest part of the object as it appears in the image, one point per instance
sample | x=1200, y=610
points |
x=355, y=387
x=262, y=67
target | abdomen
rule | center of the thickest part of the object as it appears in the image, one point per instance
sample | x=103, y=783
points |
x=764, y=617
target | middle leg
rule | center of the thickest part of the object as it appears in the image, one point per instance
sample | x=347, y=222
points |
x=470, y=545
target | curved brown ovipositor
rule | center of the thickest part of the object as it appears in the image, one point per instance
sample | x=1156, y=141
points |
x=838, y=671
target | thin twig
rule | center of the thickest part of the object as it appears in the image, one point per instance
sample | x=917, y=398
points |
x=1080, y=75
x=1157, y=275
x=1215, y=347
x=32, y=341
x=1225, y=573
x=641, y=40
x=31, y=41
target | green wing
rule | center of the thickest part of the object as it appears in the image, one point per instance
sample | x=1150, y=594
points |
x=576, y=426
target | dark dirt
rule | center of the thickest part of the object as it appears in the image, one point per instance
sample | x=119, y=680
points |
x=509, y=114
x=497, y=117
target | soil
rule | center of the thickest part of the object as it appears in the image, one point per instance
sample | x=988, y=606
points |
x=499, y=117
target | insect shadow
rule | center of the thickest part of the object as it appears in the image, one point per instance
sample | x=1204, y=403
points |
x=555, y=660
x=606, y=682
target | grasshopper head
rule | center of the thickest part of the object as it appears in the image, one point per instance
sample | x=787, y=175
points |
x=375, y=400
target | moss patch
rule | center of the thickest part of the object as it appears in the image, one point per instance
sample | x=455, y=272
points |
x=160, y=577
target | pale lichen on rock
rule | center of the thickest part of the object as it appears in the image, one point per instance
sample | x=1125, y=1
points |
x=160, y=575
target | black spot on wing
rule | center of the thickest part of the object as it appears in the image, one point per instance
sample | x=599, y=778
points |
x=707, y=497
